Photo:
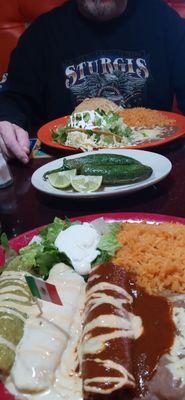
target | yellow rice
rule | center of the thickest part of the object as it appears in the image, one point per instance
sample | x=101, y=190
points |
x=155, y=254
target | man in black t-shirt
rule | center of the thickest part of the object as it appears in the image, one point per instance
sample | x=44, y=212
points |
x=130, y=51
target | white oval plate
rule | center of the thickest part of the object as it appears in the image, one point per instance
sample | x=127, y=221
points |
x=161, y=167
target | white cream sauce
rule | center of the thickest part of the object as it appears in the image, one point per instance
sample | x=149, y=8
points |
x=98, y=289
x=46, y=355
x=38, y=355
x=79, y=243
x=7, y=343
x=78, y=120
x=13, y=313
x=126, y=325
x=15, y=305
x=118, y=381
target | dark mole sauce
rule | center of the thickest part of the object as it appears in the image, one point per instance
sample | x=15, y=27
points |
x=157, y=337
x=140, y=356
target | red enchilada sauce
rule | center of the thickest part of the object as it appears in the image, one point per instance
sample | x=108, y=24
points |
x=157, y=338
x=138, y=356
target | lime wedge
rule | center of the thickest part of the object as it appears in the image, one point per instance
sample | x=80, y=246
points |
x=86, y=183
x=61, y=180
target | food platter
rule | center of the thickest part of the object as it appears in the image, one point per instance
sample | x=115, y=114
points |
x=23, y=239
x=45, y=136
x=161, y=167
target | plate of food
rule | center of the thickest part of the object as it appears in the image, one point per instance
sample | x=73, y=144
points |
x=101, y=173
x=94, y=308
x=98, y=123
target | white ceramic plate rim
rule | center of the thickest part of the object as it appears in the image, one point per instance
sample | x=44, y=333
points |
x=161, y=168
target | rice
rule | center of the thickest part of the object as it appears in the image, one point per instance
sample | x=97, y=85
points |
x=144, y=117
x=155, y=254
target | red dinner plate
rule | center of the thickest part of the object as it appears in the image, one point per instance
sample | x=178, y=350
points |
x=23, y=239
x=44, y=134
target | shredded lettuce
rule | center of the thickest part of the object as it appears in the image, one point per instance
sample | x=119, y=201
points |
x=108, y=242
x=51, y=231
x=103, y=121
x=60, y=134
x=39, y=257
x=102, y=258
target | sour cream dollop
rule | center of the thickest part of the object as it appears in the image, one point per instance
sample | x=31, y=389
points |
x=78, y=120
x=79, y=243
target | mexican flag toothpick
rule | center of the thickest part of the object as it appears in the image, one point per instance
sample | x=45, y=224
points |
x=43, y=290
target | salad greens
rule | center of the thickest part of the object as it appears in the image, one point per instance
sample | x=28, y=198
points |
x=41, y=254
x=108, y=242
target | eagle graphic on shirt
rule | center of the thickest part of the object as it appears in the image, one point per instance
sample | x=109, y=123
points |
x=119, y=77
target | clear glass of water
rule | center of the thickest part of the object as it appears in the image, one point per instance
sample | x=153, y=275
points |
x=6, y=178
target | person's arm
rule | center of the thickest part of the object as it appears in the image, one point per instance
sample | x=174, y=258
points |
x=14, y=141
x=21, y=102
x=175, y=31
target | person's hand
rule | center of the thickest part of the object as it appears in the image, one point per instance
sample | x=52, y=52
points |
x=14, y=141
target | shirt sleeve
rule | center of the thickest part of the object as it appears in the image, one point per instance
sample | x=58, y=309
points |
x=21, y=101
x=175, y=31
x=178, y=76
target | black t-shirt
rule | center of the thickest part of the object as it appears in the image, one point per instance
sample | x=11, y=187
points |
x=137, y=59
